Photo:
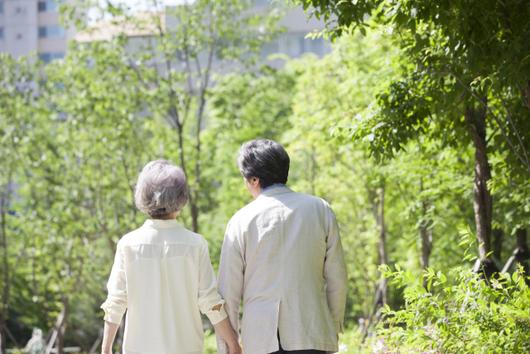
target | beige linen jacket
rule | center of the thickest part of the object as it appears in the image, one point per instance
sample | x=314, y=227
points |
x=163, y=278
x=283, y=258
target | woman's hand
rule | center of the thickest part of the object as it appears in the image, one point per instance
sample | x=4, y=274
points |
x=234, y=348
x=109, y=333
x=227, y=335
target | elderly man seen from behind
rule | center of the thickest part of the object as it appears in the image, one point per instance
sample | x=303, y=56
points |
x=282, y=258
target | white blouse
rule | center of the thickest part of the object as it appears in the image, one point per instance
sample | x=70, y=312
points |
x=163, y=277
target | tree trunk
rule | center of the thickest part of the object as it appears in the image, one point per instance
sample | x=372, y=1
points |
x=522, y=252
x=425, y=232
x=498, y=238
x=383, y=256
x=380, y=298
x=4, y=206
x=482, y=201
x=56, y=336
x=526, y=94
x=194, y=214
x=426, y=244
x=61, y=326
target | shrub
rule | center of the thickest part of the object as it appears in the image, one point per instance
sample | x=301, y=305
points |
x=467, y=315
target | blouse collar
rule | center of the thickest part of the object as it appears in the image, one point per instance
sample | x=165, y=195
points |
x=161, y=224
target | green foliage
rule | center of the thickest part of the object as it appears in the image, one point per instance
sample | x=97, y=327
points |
x=452, y=57
x=74, y=134
x=242, y=107
x=468, y=315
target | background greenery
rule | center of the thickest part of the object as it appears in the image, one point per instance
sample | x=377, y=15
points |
x=415, y=128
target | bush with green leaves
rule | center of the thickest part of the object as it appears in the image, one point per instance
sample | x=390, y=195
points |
x=458, y=312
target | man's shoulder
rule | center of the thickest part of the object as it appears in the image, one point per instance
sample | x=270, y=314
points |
x=309, y=198
x=252, y=210
x=246, y=213
x=309, y=201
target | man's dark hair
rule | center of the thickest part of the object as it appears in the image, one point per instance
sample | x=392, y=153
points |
x=264, y=159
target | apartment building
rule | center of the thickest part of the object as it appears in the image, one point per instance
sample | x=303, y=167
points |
x=292, y=42
x=32, y=26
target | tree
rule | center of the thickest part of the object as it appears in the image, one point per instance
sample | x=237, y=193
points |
x=464, y=80
x=78, y=131
x=242, y=107
x=17, y=92
x=194, y=42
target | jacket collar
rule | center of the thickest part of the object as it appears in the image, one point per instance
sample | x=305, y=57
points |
x=275, y=189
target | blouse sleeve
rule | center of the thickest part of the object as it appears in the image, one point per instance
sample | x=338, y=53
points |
x=116, y=303
x=210, y=302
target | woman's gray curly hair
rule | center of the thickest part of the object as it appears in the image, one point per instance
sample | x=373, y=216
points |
x=161, y=189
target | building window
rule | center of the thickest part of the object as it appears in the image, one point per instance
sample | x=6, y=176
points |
x=1, y=32
x=47, y=6
x=19, y=10
x=1, y=7
x=19, y=36
x=48, y=57
x=291, y=44
x=316, y=46
x=270, y=48
x=51, y=32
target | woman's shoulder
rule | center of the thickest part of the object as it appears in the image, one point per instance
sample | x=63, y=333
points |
x=176, y=238
x=194, y=238
x=129, y=237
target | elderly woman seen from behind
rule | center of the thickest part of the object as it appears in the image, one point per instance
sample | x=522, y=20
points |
x=162, y=276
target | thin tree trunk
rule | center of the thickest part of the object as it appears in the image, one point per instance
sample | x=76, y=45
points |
x=61, y=328
x=482, y=201
x=5, y=292
x=426, y=244
x=378, y=209
x=4, y=205
x=425, y=232
x=380, y=298
x=522, y=253
x=56, y=336
x=383, y=256
x=526, y=94
x=498, y=238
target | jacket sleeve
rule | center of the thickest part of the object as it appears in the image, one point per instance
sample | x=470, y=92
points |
x=335, y=271
x=210, y=302
x=231, y=270
x=116, y=303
